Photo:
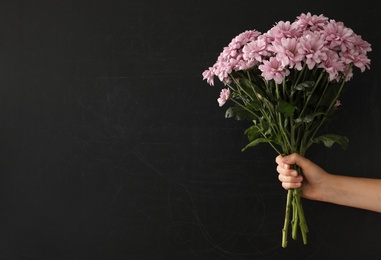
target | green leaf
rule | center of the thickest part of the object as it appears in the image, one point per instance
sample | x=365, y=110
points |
x=252, y=132
x=264, y=126
x=251, y=87
x=308, y=118
x=256, y=142
x=254, y=105
x=242, y=115
x=238, y=113
x=230, y=112
x=330, y=139
x=305, y=85
x=286, y=108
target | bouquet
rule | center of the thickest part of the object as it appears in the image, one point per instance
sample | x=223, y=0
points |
x=287, y=82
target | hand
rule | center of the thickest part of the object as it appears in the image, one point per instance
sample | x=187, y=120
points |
x=311, y=183
x=317, y=184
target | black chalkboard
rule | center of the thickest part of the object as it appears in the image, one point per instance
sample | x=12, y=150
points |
x=113, y=147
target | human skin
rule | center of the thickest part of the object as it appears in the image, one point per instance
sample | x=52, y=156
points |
x=318, y=184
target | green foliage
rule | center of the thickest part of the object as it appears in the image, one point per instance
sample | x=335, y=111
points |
x=286, y=108
x=256, y=142
x=287, y=116
x=239, y=113
x=330, y=139
x=305, y=86
x=308, y=118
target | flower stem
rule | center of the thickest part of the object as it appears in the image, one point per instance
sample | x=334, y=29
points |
x=294, y=205
x=286, y=219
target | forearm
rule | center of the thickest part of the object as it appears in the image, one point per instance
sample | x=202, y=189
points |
x=364, y=193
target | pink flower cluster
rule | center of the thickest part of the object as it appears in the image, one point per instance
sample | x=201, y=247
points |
x=224, y=96
x=313, y=41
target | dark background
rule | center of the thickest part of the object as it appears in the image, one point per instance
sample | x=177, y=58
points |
x=113, y=147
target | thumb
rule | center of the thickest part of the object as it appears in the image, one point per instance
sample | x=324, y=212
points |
x=297, y=159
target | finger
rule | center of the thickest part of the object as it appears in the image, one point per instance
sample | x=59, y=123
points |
x=295, y=158
x=291, y=185
x=286, y=171
x=280, y=161
x=290, y=179
x=289, y=182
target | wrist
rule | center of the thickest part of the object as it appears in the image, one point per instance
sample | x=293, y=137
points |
x=326, y=188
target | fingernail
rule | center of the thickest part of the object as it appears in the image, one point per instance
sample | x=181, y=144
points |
x=294, y=173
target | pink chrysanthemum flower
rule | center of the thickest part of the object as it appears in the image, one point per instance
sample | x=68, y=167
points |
x=283, y=30
x=231, y=58
x=243, y=38
x=254, y=51
x=208, y=75
x=273, y=69
x=360, y=60
x=361, y=45
x=222, y=70
x=288, y=52
x=224, y=96
x=313, y=48
x=338, y=36
x=333, y=65
x=311, y=22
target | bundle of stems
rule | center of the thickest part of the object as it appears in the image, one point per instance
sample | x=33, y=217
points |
x=289, y=117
